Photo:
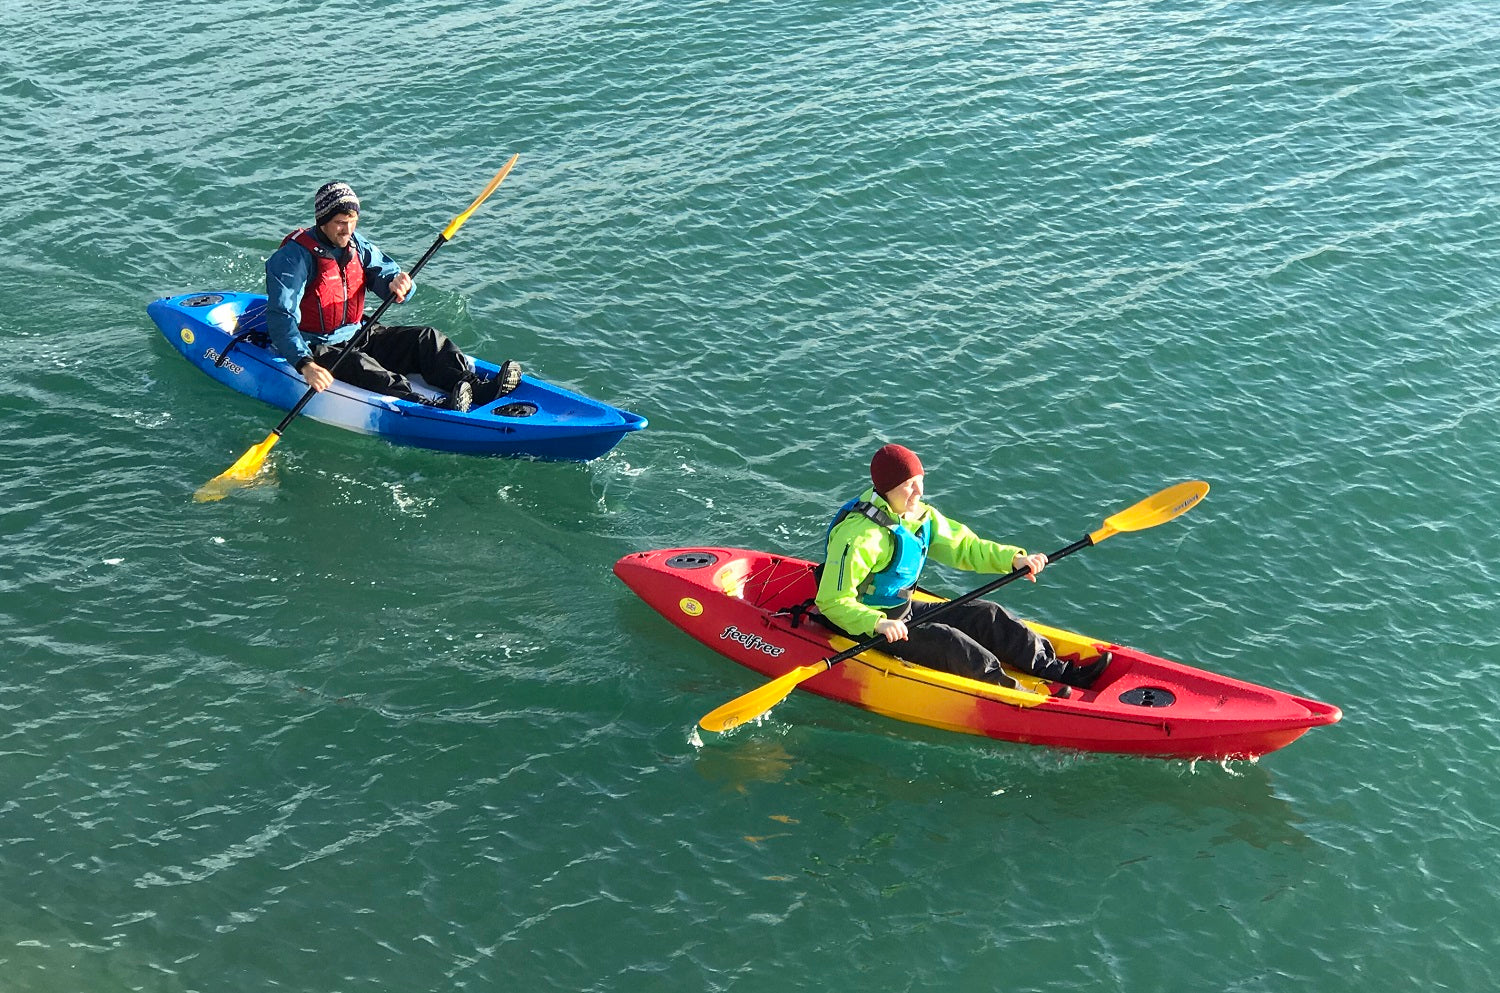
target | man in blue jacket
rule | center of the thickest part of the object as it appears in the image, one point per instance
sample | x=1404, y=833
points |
x=877, y=546
x=315, y=291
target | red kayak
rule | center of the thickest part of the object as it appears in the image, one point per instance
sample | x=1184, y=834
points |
x=735, y=602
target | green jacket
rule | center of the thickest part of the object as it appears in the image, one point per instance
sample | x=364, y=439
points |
x=858, y=548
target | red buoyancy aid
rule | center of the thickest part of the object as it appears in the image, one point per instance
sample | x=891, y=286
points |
x=335, y=294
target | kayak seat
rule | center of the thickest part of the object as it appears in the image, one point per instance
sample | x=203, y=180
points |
x=258, y=338
x=250, y=327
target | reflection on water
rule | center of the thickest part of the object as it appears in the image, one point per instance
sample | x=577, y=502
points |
x=736, y=764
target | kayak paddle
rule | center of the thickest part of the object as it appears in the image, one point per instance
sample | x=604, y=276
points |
x=1158, y=509
x=245, y=469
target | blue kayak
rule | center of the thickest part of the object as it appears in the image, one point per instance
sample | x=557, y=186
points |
x=224, y=334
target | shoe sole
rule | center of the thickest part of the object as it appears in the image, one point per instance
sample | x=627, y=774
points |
x=510, y=377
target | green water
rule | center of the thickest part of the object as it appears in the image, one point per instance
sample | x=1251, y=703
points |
x=390, y=723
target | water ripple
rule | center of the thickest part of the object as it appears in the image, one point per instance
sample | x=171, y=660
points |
x=1069, y=252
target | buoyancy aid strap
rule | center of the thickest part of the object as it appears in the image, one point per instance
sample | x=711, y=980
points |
x=867, y=509
x=305, y=238
x=863, y=508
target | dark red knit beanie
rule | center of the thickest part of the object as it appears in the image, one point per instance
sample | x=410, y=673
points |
x=892, y=466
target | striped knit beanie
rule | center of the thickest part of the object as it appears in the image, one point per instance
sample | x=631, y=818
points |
x=334, y=198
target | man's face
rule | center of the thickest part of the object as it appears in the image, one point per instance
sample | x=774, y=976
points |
x=339, y=228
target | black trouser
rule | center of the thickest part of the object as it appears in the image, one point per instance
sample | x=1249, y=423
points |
x=972, y=640
x=389, y=354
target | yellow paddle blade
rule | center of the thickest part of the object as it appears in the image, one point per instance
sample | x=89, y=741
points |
x=1156, y=509
x=239, y=475
x=458, y=222
x=759, y=700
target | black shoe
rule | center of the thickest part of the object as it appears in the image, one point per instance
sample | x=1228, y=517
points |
x=1085, y=676
x=507, y=379
x=461, y=397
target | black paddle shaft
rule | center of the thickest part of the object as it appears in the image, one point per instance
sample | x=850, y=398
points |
x=940, y=609
x=359, y=337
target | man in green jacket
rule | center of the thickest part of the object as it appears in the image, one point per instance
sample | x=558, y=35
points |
x=877, y=546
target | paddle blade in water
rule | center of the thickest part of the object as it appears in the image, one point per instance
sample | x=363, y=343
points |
x=239, y=475
x=759, y=700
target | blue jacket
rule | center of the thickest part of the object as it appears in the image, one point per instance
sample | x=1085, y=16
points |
x=287, y=272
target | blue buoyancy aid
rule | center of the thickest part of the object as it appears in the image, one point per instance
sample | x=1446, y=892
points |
x=891, y=586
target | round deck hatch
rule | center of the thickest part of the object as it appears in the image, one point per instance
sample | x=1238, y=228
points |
x=692, y=560
x=1148, y=696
